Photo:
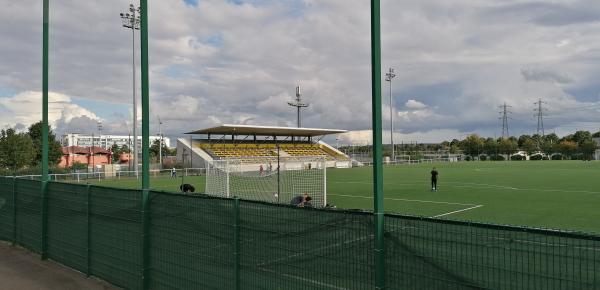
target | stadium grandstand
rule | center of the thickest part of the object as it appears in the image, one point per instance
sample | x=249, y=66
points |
x=260, y=143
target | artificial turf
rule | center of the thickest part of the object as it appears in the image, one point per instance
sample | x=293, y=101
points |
x=545, y=194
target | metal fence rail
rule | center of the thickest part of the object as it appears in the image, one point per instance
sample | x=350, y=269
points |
x=99, y=175
x=201, y=242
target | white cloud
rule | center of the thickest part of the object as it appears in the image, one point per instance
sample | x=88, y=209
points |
x=412, y=104
x=276, y=104
x=362, y=137
x=224, y=63
x=26, y=108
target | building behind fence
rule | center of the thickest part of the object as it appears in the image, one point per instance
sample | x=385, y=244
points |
x=201, y=242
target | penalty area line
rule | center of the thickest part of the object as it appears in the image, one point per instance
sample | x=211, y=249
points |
x=402, y=199
x=457, y=211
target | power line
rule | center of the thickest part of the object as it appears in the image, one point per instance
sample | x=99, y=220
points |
x=504, y=119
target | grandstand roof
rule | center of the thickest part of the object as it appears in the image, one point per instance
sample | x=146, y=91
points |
x=266, y=131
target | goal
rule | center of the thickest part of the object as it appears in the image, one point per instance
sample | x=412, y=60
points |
x=275, y=180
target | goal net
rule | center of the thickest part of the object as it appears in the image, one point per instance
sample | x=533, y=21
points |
x=268, y=179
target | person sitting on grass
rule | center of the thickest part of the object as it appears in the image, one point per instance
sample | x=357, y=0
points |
x=301, y=200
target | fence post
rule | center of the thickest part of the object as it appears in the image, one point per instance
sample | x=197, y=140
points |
x=14, y=197
x=44, y=235
x=324, y=181
x=145, y=239
x=89, y=230
x=227, y=177
x=378, y=207
x=146, y=208
x=236, y=238
x=45, y=129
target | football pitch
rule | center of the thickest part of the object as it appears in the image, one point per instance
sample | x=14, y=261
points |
x=545, y=194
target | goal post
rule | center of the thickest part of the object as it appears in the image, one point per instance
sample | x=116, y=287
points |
x=268, y=179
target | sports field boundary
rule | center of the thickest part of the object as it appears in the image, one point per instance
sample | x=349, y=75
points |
x=97, y=230
x=457, y=211
x=469, y=206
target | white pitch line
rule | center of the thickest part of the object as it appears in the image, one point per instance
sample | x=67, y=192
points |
x=479, y=185
x=476, y=185
x=315, y=250
x=370, y=182
x=322, y=284
x=402, y=199
x=457, y=211
x=482, y=184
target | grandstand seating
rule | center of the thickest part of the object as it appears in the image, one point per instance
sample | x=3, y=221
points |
x=250, y=150
x=237, y=150
x=305, y=150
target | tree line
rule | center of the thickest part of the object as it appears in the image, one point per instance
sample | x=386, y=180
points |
x=578, y=145
x=22, y=151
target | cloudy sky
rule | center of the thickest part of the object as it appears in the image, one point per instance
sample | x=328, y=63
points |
x=238, y=61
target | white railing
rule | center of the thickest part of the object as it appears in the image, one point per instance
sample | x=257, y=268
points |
x=84, y=176
x=406, y=161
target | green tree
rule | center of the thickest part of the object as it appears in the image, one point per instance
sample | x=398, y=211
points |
x=566, y=148
x=54, y=147
x=581, y=136
x=116, y=153
x=79, y=166
x=530, y=146
x=16, y=150
x=551, y=138
x=490, y=147
x=472, y=145
x=547, y=147
x=155, y=150
x=507, y=146
x=522, y=139
x=587, y=148
x=454, y=149
x=445, y=145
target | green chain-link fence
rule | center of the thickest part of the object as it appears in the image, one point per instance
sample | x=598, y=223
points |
x=201, y=242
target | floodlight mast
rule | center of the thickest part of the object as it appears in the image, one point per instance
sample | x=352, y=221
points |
x=298, y=104
x=160, y=135
x=132, y=21
x=388, y=78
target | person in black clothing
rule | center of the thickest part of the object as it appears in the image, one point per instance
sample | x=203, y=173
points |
x=434, y=178
x=187, y=188
x=301, y=200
